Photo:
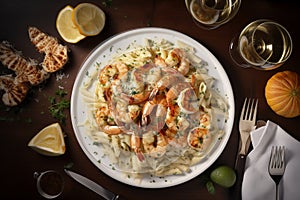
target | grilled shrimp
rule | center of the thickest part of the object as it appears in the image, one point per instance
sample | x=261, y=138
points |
x=165, y=83
x=175, y=90
x=199, y=138
x=187, y=101
x=175, y=121
x=112, y=72
x=154, y=145
x=178, y=60
x=132, y=87
x=125, y=112
x=105, y=120
x=154, y=113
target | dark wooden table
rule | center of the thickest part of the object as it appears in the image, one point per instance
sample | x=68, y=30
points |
x=19, y=125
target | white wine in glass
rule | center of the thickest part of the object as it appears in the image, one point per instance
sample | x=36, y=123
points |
x=263, y=44
x=210, y=14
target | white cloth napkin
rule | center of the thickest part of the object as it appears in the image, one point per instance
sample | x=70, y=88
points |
x=257, y=183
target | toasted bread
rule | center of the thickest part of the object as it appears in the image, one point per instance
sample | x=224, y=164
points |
x=15, y=92
x=27, y=70
x=56, y=54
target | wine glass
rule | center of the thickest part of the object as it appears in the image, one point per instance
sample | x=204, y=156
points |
x=262, y=44
x=210, y=14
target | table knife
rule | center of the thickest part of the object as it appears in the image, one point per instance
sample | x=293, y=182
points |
x=240, y=163
x=108, y=195
x=239, y=168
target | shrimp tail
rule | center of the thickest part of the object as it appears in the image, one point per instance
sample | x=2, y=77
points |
x=136, y=146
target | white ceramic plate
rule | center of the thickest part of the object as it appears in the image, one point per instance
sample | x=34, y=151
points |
x=101, y=54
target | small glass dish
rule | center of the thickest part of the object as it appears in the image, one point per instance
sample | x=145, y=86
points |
x=50, y=184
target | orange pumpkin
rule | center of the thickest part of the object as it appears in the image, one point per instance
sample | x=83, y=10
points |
x=282, y=93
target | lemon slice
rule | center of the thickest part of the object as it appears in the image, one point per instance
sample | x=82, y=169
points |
x=88, y=18
x=65, y=26
x=49, y=141
x=202, y=15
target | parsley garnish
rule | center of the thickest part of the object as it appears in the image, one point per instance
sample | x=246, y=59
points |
x=61, y=93
x=58, y=105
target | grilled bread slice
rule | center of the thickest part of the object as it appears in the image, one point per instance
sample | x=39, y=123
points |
x=27, y=70
x=56, y=54
x=15, y=92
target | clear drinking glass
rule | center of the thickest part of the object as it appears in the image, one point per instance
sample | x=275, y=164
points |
x=210, y=14
x=262, y=44
x=49, y=184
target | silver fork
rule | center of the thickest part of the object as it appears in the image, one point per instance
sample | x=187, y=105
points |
x=247, y=123
x=277, y=165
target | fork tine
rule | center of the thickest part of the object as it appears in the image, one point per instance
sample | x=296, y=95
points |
x=277, y=157
x=249, y=112
x=273, y=157
x=282, y=156
x=243, y=109
x=249, y=109
x=255, y=109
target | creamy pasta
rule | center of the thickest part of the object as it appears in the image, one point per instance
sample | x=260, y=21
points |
x=154, y=109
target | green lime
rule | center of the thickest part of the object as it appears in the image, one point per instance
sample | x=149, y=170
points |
x=224, y=176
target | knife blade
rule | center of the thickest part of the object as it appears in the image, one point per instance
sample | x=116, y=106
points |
x=93, y=186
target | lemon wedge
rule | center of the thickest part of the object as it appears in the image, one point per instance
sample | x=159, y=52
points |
x=88, y=18
x=49, y=141
x=65, y=26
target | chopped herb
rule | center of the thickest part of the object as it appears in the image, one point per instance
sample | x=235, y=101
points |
x=57, y=107
x=51, y=100
x=200, y=140
x=134, y=92
x=61, y=93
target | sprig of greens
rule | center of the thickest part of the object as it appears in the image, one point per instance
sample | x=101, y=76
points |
x=107, y=3
x=210, y=187
x=58, y=106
